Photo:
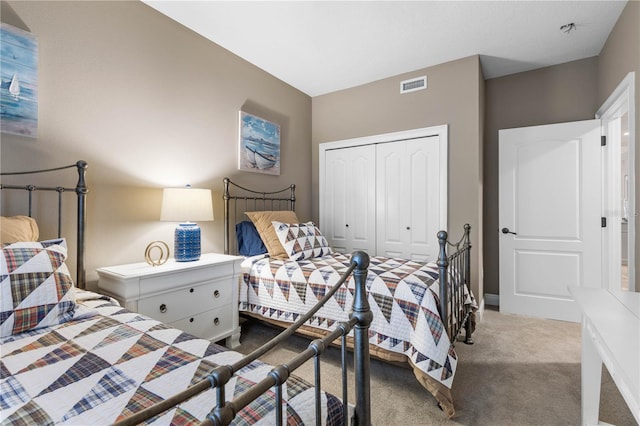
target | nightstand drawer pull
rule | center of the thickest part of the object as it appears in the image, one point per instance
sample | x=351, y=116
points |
x=190, y=290
x=190, y=319
x=163, y=308
x=216, y=294
x=216, y=321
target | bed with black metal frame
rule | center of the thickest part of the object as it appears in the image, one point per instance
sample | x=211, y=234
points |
x=225, y=385
x=452, y=272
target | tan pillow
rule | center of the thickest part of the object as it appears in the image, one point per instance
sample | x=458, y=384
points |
x=17, y=229
x=262, y=221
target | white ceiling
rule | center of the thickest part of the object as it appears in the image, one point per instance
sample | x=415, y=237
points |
x=322, y=46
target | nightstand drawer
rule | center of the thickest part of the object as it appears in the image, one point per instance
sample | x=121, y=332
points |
x=156, y=283
x=175, y=305
x=212, y=324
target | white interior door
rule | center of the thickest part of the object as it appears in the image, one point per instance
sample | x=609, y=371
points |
x=550, y=217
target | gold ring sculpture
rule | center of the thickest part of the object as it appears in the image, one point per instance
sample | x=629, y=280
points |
x=164, y=253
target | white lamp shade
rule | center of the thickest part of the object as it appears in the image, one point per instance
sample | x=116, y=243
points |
x=186, y=205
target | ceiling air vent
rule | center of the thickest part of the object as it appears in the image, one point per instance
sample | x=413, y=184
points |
x=413, y=84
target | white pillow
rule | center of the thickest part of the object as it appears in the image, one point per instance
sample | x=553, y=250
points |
x=301, y=240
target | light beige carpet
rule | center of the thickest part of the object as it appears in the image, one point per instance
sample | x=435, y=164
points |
x=520, y=371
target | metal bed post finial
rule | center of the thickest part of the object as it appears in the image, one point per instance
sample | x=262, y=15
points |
x=467, y=247
x=467, y=271
x=226, y=196
x=30, y=188
x=81, y=192
x=443, y=263
x=362, y=311
x=467, y=235
x=293, y=197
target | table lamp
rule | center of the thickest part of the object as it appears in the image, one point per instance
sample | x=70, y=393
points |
x=186, y=205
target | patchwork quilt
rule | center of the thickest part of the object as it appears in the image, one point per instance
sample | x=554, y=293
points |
x=107, y=362
x=402, y=295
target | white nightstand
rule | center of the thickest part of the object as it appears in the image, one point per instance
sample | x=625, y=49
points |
x=199, y=297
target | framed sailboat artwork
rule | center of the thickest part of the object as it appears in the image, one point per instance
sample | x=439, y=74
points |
x=18, y=82
x=259, y=145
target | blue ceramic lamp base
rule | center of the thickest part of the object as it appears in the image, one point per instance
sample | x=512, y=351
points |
x=187, y=242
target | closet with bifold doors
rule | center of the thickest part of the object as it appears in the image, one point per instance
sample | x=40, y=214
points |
x=385, y=194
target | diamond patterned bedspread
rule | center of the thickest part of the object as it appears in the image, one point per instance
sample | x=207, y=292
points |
x=108, y=362
x=402, y=295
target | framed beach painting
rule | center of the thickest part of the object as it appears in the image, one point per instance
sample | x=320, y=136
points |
x=19, y=82
x=259, y=145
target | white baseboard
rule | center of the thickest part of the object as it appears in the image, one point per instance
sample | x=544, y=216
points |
x=492, y=299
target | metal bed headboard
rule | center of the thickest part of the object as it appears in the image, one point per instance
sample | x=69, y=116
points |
x=253, y=201
x=81, y=191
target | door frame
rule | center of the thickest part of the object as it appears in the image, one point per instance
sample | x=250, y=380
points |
x=622, y=99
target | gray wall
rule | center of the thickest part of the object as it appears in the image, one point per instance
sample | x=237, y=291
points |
x=555, y=94
x=148, y=104
x=453, y=96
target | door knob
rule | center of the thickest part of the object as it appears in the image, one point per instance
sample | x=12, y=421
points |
x=506, y=231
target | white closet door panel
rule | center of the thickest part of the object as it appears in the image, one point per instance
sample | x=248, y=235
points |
x=391, y=200
x=423, y=198
x=361, y=201
x=334, y=227
x=408, y=194
x=349, y=205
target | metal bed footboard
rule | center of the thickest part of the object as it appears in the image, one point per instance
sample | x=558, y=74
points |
x=359, y=320
x=81, y=191
x=455, y=282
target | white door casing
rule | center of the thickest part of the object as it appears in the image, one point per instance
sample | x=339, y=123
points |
x=550, y=197
x=621, y=101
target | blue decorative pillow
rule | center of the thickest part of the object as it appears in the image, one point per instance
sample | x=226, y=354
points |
x=249, y=241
